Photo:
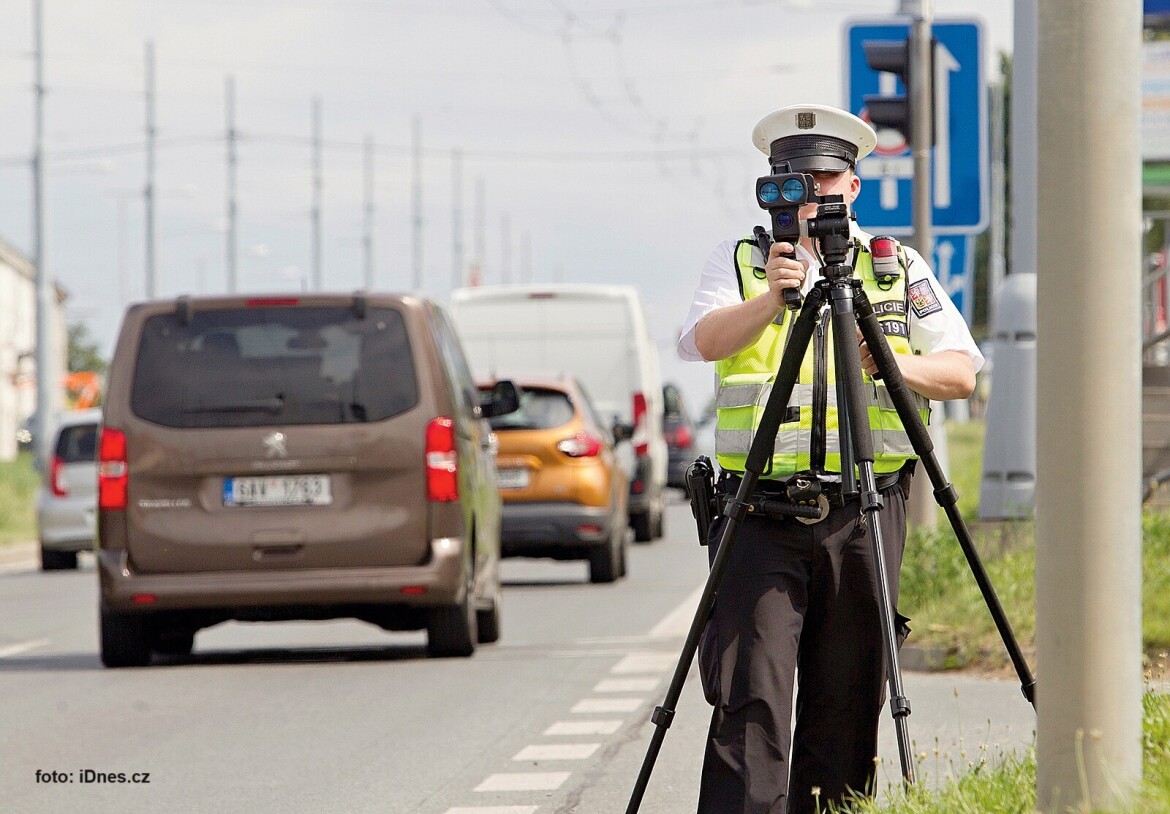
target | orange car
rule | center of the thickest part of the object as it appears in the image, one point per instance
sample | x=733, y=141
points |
x=563, y=486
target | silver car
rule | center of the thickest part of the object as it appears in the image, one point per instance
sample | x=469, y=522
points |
x=67, y=499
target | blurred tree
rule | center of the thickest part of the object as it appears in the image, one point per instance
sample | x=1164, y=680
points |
x=83, y=351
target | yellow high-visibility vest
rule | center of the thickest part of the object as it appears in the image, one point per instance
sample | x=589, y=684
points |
x=808, y=441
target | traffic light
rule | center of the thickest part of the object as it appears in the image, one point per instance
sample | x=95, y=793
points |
x=893, y=110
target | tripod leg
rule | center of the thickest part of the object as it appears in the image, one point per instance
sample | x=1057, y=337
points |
x=849, y=370
x=944, y=493
x=758, y=458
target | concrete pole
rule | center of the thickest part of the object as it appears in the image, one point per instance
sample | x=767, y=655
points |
x=1088, y=520
x=998, y=228
x=232, y=247
x=317, y=274
x=368, y=212
x=46, y=357
x=151, y=132
x=416, y=243
x=457, y=253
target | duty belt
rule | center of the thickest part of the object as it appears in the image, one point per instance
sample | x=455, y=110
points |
x=804, y=497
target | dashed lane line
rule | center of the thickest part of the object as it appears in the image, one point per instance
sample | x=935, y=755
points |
x=557, y=751
x=22, y=647
x=594, y=727
x=523, y=781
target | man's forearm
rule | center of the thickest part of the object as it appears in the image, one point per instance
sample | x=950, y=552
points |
x=728, y=330
x=940, y=376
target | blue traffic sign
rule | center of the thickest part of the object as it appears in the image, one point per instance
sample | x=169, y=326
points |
x=954, y=265
x=959, y=162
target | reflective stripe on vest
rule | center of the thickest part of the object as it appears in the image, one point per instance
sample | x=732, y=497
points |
x=745, y=381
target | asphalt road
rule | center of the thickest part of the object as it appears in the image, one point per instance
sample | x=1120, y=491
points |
x=343, y=717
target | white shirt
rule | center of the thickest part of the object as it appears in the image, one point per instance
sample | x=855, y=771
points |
x=939, y=327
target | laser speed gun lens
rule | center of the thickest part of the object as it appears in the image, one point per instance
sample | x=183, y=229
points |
x=769, y=192
x=793, y=190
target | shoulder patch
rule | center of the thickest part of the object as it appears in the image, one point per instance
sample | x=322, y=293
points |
x=923, y=299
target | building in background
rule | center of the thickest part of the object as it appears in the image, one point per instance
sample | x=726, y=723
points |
x=18, y=330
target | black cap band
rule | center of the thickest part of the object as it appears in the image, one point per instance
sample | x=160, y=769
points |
x=813, y=153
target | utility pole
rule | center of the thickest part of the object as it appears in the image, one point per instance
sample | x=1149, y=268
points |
x=526, y=257
x=456, y=219
x=232, y=240
x=46, y=359
x=480, y=233
x=148, y=195
x=368, y=209
x=1088, y=377
x=315, y=211
x=505, y=249
x=416, y=246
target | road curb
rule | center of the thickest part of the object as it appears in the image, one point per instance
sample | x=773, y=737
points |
x=17, y=554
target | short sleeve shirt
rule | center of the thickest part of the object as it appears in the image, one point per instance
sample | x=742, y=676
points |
x=935, y=323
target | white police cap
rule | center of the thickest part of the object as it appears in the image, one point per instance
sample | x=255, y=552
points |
x=814, y=138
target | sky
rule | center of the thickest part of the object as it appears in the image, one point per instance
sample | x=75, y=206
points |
x=602, y=141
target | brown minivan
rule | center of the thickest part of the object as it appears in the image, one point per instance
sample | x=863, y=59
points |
x=295, y=457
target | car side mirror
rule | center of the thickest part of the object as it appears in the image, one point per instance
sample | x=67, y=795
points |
x=622, y=431
x=503, y=398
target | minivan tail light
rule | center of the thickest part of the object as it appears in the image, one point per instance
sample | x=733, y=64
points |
x=442, y=461
x=57, y=483
x=681, y=437
x=113, y=471
x=641, y=437
x=581, y=445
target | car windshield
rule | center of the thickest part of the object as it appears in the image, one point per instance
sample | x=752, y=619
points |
x=262, y=366
x=539, y=410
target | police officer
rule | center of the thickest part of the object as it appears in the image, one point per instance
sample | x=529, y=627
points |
x=799, y=600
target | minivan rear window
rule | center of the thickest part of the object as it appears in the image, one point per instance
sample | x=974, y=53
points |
x=262, y=366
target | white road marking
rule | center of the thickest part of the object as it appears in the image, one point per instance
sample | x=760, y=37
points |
x=493, y=810
x=606, y=705
x=598, y=727
x=626, y=685
x=523, y=781
x=21, y=647
x=645, y=662
x=557, y=751
x=17, y=567
x=677, y=623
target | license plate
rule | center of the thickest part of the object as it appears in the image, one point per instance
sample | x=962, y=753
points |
x=278, y=490
x=512, y=478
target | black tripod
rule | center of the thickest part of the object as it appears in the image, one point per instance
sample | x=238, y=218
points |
x=850, y=309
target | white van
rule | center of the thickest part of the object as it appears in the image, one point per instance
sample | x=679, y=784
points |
x=597, y=333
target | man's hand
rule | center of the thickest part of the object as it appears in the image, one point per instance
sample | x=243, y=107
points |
x=783, y=272
x=941, y=376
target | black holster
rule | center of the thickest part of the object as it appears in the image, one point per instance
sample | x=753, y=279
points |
x=701, y=491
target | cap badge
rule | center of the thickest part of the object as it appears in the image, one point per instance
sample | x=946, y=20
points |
x=806, y=120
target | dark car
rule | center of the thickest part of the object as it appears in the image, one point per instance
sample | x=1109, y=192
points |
x=295, y=457
x=679, y=429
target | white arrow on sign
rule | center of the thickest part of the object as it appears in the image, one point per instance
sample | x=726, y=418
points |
x=944, y=64
x=946, y=252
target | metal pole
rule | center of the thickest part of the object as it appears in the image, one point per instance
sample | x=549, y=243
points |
x=232, y=247
x=46, y=360
x=368, y=225
x=480, y=232
x=456, y=219
x=505, y=249
x=416, y=205
x=315, y=212
x=998, y=209
x=1088, y=496
x=148, y=193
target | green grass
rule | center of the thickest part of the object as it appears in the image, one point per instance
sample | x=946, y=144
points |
x=949, y=615
x=18, y=486
x=1006, y=784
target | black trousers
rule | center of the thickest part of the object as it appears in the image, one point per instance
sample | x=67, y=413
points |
x=797, y=601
